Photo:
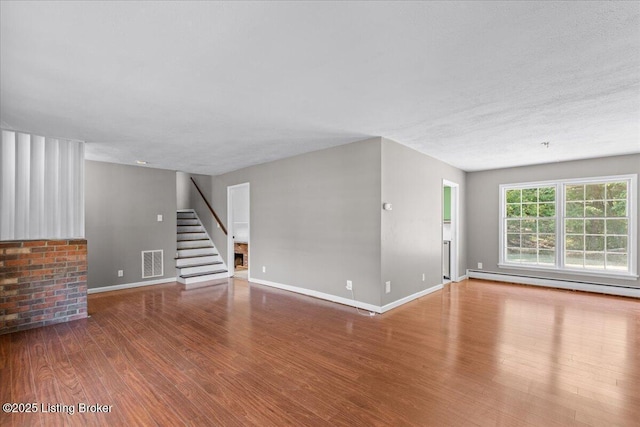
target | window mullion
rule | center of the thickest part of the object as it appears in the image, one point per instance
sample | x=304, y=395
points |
x=560, y=227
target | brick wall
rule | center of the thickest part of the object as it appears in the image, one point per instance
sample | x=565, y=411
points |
x=242, y=248
x=42, y=282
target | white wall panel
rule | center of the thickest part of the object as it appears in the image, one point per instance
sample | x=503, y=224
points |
x=7, y=185
x=36, y=195
x=23, y=173
x=41, y=187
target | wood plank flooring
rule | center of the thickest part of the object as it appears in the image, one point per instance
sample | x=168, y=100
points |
x=474, y=354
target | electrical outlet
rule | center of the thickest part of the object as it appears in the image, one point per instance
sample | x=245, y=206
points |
x=479, y=266
x=159, y=217
x=120, y=273
x=387, y=287
x=264, y=268
x=349, y=285
x=423, y=278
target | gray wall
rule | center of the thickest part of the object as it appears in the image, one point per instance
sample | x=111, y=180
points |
x=483, y=200
x=183, y=191
x=315, y=219
x=121, y=205
x=411, y=233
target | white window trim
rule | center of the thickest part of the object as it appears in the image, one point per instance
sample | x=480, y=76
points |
x=559, y=184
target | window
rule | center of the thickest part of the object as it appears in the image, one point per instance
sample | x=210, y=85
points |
x=531, y=225
x=584, y=226
x=597, y=226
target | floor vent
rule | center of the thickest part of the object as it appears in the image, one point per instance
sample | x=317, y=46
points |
x=152, y=263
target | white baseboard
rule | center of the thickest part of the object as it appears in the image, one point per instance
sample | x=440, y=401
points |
x=130, y=285
x=317, y=294
x=556, y=283
x=347, y=301
x=410, y=298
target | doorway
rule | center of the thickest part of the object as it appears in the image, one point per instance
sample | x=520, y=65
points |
x=238, y=237
x=450, y=230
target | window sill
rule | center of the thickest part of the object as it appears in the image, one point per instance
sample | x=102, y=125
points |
x=592, y=273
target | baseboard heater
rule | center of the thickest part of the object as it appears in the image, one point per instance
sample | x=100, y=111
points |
x=576, y=285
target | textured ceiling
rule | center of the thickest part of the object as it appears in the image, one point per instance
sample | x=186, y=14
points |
x=211, y=87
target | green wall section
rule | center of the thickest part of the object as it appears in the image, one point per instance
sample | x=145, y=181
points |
x=447, y=204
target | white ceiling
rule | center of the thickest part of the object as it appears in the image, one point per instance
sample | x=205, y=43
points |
x=213, y=87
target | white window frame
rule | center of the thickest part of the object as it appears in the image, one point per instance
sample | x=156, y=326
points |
x=559, y=184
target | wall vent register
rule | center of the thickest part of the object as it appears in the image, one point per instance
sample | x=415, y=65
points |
x=152, y=263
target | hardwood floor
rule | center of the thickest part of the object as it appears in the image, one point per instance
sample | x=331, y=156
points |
x=475, y=353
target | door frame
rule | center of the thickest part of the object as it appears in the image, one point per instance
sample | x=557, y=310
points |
x=231, y=267
x=455, y=228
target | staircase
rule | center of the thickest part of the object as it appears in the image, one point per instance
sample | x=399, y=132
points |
x=198, y=260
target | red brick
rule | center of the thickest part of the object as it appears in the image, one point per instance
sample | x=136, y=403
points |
x=43, y=305
x=6, y=305
x=41, y=249
x=38, y=275
x=19, y=309
x=14, y=244
x=8, y=245
x=34, y=243
x=43, y=284
x=42, y=272
x=16, y=322
x=81, y=264
x=16, y=262
x=9, y=272
x=77, y=263
x=64, y=248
